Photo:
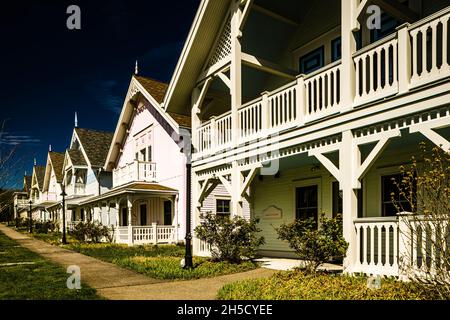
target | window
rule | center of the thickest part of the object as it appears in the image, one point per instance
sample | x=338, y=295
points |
x=82, y=214
x=167, y=213
x=223, y=207
x=336, y=49
x=143, y=213
x=312, y=61
x=388, y=26
x=338, y=201
x=149, y=155
x=388, y=187
x=307, y=202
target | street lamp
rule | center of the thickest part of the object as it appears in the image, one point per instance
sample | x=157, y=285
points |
x=188, y=253
x=30, y=222
x=63, y=194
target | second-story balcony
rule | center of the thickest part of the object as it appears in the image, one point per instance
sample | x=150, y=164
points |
x=137, y=171
x=415, y=56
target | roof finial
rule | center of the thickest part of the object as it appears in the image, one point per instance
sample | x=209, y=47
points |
x=50, y=148
x=25, y=173
x=76, y=120
x=34, y=161
x=136, y=68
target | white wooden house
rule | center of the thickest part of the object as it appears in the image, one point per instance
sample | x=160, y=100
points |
x=146, y=203
x=82, y=176
x=52, y=186
x=299, y=108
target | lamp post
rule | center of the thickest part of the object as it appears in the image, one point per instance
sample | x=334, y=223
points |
x=30, y=222
x=63, y=194
x=188, y=253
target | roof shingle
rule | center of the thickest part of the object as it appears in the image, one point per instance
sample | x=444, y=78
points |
x=40, y=174
x=57, y=160
x=156, y=88
x=77, y=158
x=96, y=145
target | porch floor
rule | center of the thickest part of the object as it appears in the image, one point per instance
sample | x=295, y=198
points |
x=284, y=264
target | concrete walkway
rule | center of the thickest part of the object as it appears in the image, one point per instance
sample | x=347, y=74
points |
x=114, y=282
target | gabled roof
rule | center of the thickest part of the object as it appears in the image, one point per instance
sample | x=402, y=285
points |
x=57, y=161
x=95, y=144
x=39, y=174
x=201, y=38
x=153, y=92
x=156, y=88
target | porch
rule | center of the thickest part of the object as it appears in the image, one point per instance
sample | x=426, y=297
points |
x=413, y=57
x=137, y=213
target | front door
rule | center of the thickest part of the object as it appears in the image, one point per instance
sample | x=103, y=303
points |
x=143, y=214
x=307, y=205
x=124, y=217
x=167, y=213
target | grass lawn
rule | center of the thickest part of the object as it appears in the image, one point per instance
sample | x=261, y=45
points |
x=295, y=285
x=161, y=262
x=42, y=280
x=156, y=261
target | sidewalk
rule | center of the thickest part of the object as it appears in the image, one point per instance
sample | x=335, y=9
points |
x=113, y=282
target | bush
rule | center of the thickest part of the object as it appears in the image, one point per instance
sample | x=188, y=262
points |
x=315, y=245
x=230, y=239
x=92, y=232
x=45, y=227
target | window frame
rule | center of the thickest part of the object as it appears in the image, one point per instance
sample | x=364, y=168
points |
x=223, y=214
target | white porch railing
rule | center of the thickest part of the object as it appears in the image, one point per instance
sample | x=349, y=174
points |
x=376, y=71
x=382, y=69
x=377, y=246
x=137, y=171
x=323, y=92
x=22, y=202
x=153, y=234
x=430, y=48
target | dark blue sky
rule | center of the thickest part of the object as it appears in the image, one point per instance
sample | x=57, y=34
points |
x=48, y=72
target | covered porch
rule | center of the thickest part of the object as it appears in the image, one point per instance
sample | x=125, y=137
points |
x=137, y=213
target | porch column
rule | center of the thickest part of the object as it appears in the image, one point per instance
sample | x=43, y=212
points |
x=130, y=227
x=235, y=71
x=236, y=184
x=176, y=218
x=117, y=214
x=349, y=24
x=348, y=163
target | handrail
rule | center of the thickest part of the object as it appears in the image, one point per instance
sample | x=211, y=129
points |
x=429, y=18
x=375, y=219
x=323, y=69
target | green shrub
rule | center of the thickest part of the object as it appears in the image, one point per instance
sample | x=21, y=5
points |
x=230, y=239
x=45, y=227
x=315, y=244
x=296, y=285
x=92, y=232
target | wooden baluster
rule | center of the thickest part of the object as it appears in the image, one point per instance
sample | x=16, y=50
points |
x=387, y=262
x=395, y=246
x=379, y=61
x=434, y=68
x=424, y=50
x=372, y=245
x=445, y=65
x=394, y=63
x=358, y=245
x=365, y=227
x=364, y=76
x=424, y=246
x=379, y=260
x=387, y=67
x=371, y=72
x=415, y=72
x=329, y=89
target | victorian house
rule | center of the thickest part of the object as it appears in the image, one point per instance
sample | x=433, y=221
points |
x=147, y=199
x=303, y=107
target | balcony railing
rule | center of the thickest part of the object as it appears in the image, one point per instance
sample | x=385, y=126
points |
x=145, y=234
x=137, y=171
x=416, y=55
